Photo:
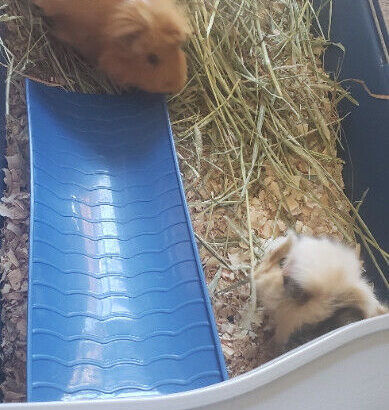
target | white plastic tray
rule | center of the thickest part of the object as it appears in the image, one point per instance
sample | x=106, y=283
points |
x=345, y=369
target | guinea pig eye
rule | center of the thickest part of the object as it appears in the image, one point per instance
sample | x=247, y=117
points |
x=153, y=59
x=282, y=262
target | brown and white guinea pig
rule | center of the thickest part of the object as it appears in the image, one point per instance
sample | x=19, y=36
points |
x=135, y=42
x=310, y=286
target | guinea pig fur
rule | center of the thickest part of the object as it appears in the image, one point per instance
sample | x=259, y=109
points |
x=135, y=42
x=310, y=286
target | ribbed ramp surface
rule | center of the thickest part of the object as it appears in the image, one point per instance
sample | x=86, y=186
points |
x=117, y=300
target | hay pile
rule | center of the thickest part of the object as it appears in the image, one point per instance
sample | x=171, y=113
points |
x=256, y=130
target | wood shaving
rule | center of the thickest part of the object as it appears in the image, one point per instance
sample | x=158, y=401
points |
x=14, y=207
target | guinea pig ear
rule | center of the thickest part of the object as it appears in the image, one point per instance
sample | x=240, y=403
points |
x=173, y=24
x=292, y=235
x=176, y=33
x=282, y=250
x=175, y=36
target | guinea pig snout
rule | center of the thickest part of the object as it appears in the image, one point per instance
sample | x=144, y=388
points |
x=174, y=85
x=170, y=86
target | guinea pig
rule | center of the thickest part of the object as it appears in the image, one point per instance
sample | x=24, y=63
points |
x=137, y=43
x=310, y=286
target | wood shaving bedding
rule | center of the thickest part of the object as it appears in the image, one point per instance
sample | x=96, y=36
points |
x=14, y=207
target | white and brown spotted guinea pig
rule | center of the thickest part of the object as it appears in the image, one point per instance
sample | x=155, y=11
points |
x=135, y=42
x=310, y=286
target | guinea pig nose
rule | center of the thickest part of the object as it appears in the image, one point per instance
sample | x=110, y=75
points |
x=171, y=87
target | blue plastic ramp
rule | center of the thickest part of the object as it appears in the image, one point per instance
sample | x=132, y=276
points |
x=118, y=304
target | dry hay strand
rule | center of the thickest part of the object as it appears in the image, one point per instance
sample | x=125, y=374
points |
x=256, y=131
